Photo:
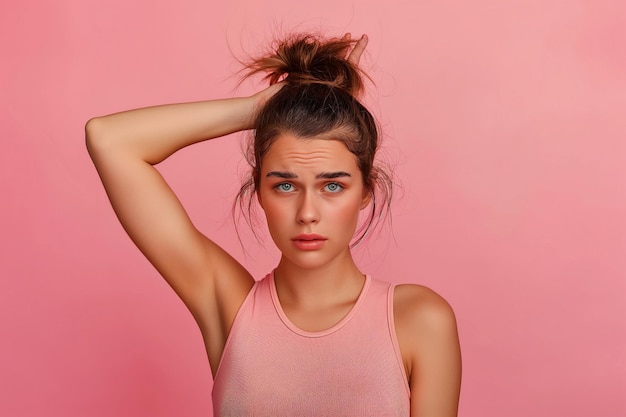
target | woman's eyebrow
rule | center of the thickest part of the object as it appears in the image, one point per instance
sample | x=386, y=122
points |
x=331, y=175
x=281, y=174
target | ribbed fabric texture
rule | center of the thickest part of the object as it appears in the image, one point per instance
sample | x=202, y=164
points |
x=272, y=368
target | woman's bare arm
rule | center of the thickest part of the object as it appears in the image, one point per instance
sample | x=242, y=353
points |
x=124, y=147
x=429, y=342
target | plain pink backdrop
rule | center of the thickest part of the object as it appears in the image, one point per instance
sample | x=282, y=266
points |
x=505, y=121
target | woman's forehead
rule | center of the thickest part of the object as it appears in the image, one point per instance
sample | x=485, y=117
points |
x=290, y=152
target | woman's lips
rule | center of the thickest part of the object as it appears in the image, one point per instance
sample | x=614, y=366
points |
x=309, y=241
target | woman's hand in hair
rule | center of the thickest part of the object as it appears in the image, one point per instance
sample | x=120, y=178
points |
x=261, y=98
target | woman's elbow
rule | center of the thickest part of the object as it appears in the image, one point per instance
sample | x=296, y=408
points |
x=95, y=135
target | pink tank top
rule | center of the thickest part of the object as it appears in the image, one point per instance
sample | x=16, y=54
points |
x=270, y=367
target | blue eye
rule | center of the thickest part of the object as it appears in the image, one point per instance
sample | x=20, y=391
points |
x=333, y=187
x=284, y=187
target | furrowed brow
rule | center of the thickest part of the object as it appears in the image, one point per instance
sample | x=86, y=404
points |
x=281, y=174
x=332, y=175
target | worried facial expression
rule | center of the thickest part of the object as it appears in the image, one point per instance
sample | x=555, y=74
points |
x=311, y=191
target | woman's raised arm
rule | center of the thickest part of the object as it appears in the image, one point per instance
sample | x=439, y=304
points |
x=124, y=147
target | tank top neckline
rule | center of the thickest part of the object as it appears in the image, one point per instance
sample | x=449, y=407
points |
x=341, y=323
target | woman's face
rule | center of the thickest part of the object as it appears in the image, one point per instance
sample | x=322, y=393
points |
x=311, y=191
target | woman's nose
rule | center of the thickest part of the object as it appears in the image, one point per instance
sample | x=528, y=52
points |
x=307, y=210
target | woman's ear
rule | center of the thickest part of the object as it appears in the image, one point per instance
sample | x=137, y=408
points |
x=256, y=186
x=367, y=197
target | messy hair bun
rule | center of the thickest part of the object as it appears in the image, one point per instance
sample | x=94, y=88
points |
x=318, y=100
x=306, y=59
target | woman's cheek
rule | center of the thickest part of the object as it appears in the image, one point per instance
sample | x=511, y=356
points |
x=275, y=211
x=343, y=222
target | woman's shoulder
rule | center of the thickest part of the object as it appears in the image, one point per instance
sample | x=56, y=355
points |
x=419, y=310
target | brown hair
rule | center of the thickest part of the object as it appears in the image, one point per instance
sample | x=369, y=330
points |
x=319, y=99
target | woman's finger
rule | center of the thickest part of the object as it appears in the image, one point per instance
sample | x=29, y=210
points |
x=355, y=55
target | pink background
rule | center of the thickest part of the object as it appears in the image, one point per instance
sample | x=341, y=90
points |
x=505, y=121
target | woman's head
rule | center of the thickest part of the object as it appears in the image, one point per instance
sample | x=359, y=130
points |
x=318, y=100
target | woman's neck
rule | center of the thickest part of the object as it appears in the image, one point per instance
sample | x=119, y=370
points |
x=332, y=283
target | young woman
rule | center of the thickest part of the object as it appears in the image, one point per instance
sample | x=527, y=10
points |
x=316, y=337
